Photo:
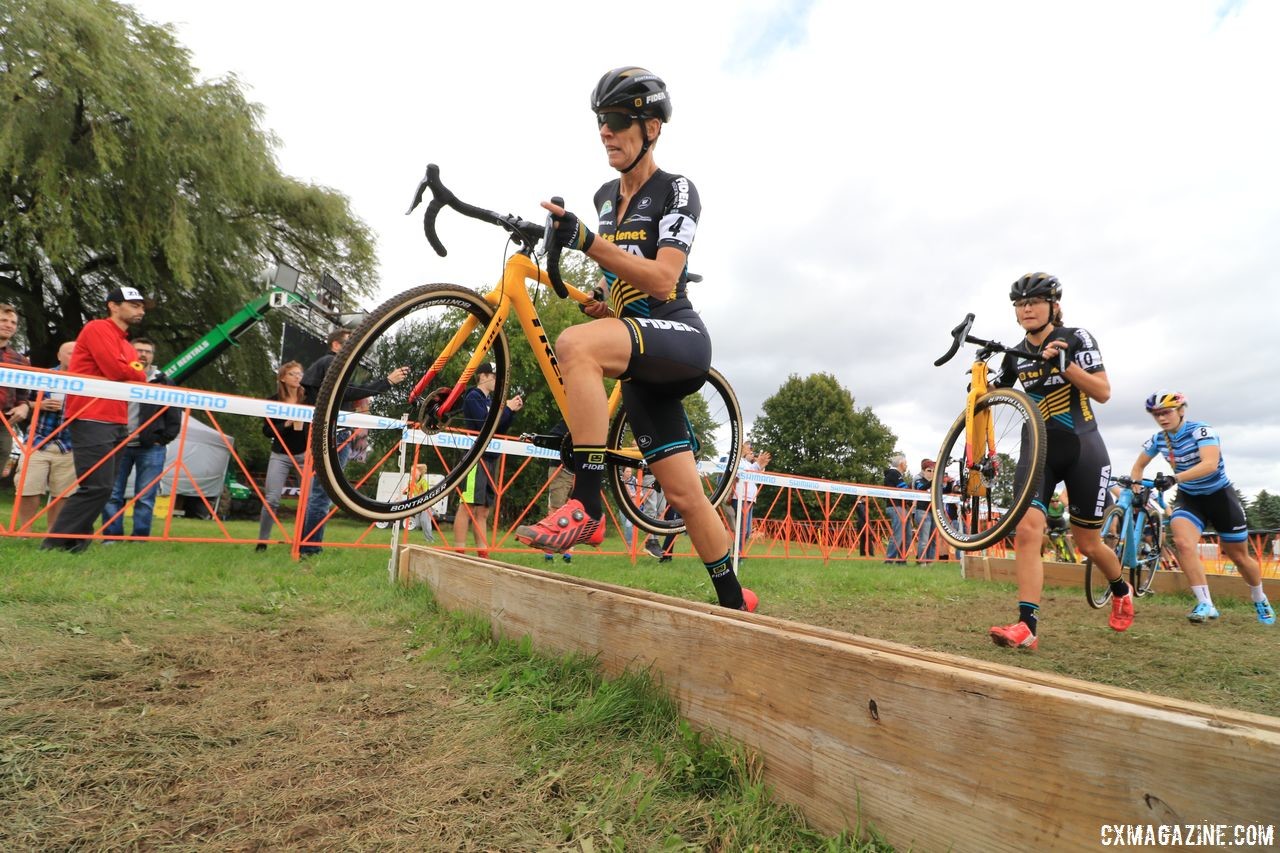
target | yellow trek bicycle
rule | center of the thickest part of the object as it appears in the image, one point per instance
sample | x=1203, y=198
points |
x=992, y=458
x=443, y=332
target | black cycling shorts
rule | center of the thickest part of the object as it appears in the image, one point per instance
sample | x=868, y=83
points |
x=669, y=361
x=1221, y=509
x=1082, y=464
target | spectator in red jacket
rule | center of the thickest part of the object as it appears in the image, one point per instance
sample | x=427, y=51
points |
x=98, y=426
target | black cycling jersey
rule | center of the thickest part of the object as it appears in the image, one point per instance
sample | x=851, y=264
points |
x=1063, y=405
x=664, y=212
x=1076, y=454
x=670, y=348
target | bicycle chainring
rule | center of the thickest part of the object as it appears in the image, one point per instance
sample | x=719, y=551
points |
x=429, y=418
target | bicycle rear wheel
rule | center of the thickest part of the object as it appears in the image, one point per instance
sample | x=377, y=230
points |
x=993, y=492
x=715, y=421
x=1149, y=554
x=434, y=330
x=1097, y=589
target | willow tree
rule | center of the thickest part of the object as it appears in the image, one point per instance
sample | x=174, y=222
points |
x=118, y=166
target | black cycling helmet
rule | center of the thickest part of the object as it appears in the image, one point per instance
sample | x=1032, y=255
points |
x=635, y=88
x=638, y=90
x=1035, y=284
x=1041, y=284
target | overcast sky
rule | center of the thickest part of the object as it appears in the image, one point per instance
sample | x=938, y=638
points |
x=869, y=173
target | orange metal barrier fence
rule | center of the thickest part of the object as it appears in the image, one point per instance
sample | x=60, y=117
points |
x=850, y=521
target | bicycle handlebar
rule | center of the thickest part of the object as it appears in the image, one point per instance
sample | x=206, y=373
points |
x=960, y=336
x=524, y=232
x=1161, y=482
x=553, y=250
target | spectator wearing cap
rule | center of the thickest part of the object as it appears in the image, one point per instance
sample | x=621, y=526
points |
x=926, y=546
x=318, y=502
x=48, y=469
x=98, y=426
x=14, y=402
x=477, y=490
x=153, y=428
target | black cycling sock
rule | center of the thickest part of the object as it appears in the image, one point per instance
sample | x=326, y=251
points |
x=728, y=590
x=588, y=470
x=1119, y=588
x=1027, y=613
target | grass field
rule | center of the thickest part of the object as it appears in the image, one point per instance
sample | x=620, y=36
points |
x=181, y=695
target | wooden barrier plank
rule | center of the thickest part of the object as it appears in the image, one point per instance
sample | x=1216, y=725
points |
x=1001, y=569
x=935, y=750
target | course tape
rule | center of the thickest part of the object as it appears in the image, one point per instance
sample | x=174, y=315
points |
x=61, y=382
x=37, y=380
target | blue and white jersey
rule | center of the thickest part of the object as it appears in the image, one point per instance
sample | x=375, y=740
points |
x=1187, y=442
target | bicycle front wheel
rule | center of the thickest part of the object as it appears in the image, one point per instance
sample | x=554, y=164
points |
x=434, y=330
x=1150, y=548
x=1097, y=589
x=715, y=431
x=993, y=489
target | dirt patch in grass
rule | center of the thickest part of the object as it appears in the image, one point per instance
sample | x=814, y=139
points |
x=316, y=733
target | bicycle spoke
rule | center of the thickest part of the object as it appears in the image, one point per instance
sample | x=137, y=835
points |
x=434, y=330
x=716, y=430
x=995, y=488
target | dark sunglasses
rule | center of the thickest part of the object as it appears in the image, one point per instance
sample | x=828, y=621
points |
x=617, y=121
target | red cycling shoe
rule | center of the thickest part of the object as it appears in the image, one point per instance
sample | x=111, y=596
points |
x=568, y=526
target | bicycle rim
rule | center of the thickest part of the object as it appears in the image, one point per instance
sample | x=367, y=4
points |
x=995, y=491
x=716, y=420
x=1097, y=588
x=1149, y=562
x=413, y=329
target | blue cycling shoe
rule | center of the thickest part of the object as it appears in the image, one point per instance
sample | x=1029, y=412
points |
x=1203, y=612
x=1266, y=613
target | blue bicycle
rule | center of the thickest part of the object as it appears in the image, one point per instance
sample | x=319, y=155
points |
x=1138, y=537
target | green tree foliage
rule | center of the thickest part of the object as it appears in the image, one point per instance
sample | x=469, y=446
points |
x=1264, y=511
x=119, y=167
x=812, y=427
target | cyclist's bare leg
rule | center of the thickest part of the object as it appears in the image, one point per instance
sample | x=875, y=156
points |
x=1186, y=541
x=682, y=484
x=1028, y=566
x=1238, y=553
x=587, y=353
x=462, y=523
x=1089, y=544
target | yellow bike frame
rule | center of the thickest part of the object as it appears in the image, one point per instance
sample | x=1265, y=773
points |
x=511, y=293
x=978, y=432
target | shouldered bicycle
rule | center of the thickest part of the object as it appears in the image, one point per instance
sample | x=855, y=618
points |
x=443, y=332
x=995, y=451
x=1138, y=537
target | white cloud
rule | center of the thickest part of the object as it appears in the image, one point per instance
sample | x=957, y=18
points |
x=867, y=178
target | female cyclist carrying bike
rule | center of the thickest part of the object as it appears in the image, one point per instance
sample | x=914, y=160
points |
x=1076, y=454
x=643, y=331
x=1205, y=496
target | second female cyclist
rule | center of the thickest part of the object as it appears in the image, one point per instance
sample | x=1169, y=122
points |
x=644, y=330
x=1076, y=455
